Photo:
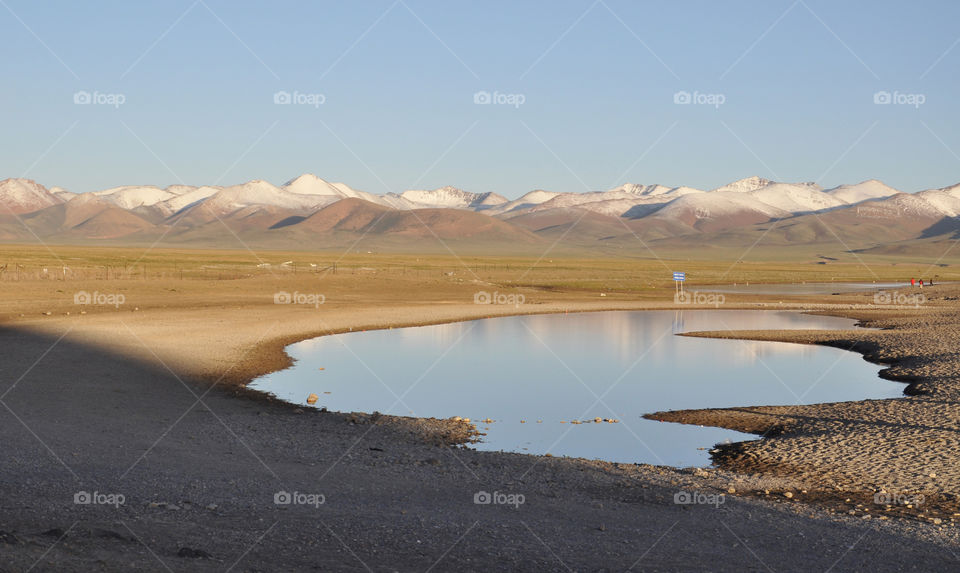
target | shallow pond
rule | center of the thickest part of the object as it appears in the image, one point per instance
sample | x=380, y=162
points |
x=535, y=375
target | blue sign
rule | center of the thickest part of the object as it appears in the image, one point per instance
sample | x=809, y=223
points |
x=677, y=276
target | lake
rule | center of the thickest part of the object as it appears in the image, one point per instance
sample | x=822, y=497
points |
x=535, y=375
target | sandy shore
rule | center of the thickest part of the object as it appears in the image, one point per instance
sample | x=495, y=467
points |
x=146, y=401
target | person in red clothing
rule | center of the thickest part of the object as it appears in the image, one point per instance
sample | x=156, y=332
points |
x=913, y=282
x=921, y=283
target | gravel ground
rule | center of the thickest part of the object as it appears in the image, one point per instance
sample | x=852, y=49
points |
x=91, y=411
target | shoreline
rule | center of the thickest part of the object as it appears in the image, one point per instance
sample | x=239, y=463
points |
x=276, y=353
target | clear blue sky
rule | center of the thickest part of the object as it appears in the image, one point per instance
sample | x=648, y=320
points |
x=399, y=78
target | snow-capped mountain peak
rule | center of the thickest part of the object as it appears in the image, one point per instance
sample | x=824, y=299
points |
x=744, y=185
x=863, y=191
x=25, y=196
x=310, y=184
x=131, y=197
x=451, y=197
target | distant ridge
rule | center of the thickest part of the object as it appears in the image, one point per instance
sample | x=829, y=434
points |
x=308, y=211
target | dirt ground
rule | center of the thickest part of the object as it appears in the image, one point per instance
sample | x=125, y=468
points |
x=140, y=408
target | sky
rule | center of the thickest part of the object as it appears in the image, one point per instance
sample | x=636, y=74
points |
x=486, y=95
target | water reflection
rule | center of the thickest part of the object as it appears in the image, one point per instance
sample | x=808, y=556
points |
x=534, y=375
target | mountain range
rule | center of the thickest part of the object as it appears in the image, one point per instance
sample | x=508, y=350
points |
x=309, y=212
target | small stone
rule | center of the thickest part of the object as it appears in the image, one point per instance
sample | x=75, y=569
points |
x=731, y=489
x=933, y=474
x=788, y=494
x=212, y=506
x=937, y=521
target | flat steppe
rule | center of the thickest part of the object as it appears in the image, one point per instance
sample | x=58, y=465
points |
x=147, y=400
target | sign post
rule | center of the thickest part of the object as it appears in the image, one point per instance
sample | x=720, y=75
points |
x=678, y=278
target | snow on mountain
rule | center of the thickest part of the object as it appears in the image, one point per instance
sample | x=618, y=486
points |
x=186, y=198
x=677, y=209
x=863, y=191
x=944, y=201
x=732, y=206
x=654, y=190
x=25, y=196
x=615, y=207
x=131, y=197
x=680, y=191
x=530, y=199
x=631, y=197
x=258, y=192
x=638, y=189
x=451, y=198
x=62, y=193
x=180, y=189
x=310, y=184
x=563, y=200
x=744, y=185
x=795, y=198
